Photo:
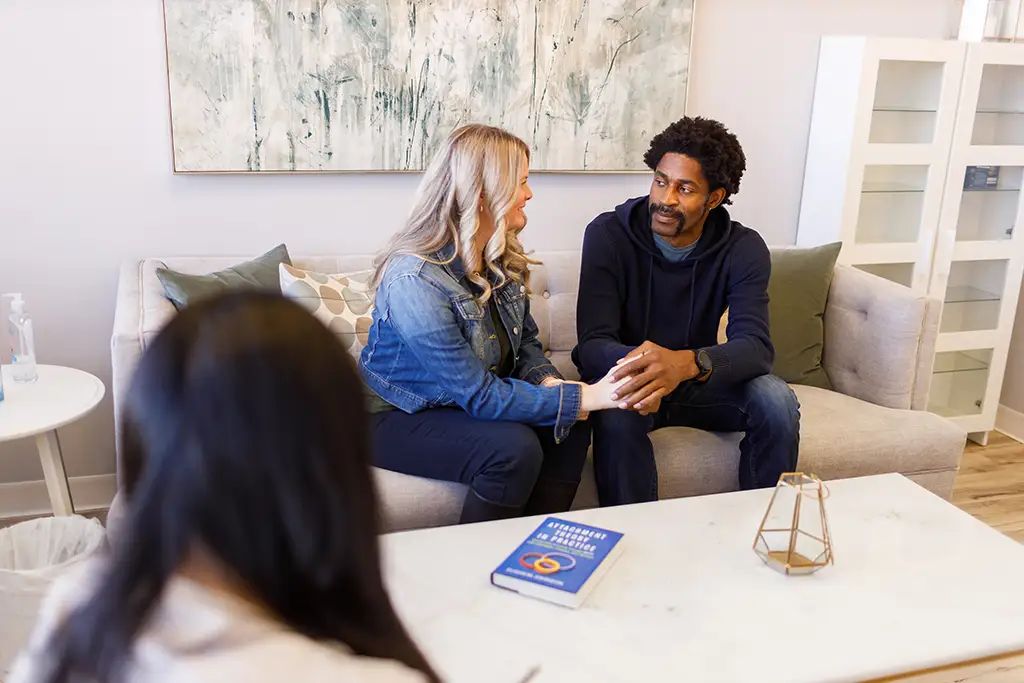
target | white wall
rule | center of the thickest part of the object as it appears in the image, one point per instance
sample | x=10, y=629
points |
x=85, y=175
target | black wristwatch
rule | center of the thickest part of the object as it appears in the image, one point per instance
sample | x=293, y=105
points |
x=703, y=364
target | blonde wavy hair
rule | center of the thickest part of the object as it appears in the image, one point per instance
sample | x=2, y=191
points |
x=474, y=161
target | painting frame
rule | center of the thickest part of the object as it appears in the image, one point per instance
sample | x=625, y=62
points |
x=176, y=170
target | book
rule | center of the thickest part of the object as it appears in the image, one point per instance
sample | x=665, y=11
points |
x=981, y=178
x=560, y=562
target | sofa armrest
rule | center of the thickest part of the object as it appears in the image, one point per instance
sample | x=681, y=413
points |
x=125, y=342
x=879, y=339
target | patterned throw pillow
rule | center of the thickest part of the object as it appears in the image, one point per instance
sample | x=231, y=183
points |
x=342, y=302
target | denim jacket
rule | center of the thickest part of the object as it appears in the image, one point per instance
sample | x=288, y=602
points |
x=431, y=345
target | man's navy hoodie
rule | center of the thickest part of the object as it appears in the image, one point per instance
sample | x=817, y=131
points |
x=630, y=293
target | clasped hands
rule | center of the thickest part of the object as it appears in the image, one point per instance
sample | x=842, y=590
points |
x=639, y=380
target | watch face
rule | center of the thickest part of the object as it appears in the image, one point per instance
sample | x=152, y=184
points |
x=704, y=361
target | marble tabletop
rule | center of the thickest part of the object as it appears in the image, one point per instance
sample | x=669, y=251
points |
x=916, y=583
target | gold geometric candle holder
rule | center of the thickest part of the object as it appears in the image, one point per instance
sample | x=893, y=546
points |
x=793, y=537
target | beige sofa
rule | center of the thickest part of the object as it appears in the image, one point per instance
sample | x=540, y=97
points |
x=879, y=339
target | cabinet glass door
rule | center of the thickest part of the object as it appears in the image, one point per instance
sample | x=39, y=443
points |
x=999, y=114
x=973, y=296
x=959, y=383
x=907, y=98
x=989, y=203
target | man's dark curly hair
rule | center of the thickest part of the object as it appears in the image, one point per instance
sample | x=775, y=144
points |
x=709, y=143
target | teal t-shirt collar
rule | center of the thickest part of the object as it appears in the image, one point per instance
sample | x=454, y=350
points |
x=674, y=254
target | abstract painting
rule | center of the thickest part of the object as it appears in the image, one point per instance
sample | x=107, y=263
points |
x=376, y=85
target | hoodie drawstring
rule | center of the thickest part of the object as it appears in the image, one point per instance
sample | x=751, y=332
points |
x=693, y=284
x=650, y=291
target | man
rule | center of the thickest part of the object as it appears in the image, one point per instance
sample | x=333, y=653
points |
x=657, y=275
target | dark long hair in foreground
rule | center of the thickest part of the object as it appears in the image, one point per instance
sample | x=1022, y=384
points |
x=245, y=436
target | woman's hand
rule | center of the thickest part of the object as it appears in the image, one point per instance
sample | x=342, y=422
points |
x=583, y=413
x=602, y=395
x=555, y=381
x=594, y=396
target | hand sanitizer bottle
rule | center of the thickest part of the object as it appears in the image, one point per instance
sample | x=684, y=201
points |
x=23, y=352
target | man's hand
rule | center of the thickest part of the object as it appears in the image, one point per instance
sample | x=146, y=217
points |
x=651, y=404
x=656, y=372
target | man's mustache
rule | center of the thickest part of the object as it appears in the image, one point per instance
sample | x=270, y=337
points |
x=668, y=212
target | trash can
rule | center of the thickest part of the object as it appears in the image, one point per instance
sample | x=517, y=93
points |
x=33, y=555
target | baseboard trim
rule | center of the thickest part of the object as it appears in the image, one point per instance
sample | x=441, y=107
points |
x=29, y=498
x=1010, y=422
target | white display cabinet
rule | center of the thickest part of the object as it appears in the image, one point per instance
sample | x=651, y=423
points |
x=915, y=162
x=979, y=252
x=878, y=151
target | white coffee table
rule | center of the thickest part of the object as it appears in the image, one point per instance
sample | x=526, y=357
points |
x=59, y=397
x=920, y=591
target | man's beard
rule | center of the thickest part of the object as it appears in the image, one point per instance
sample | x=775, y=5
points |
x=670, y=213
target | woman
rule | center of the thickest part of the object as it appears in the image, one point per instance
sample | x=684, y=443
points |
x=461, y=388
x=249, y=551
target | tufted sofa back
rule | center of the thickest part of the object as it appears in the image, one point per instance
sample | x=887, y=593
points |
x=886, y=362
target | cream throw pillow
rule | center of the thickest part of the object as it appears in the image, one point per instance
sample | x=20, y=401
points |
x=341, y=302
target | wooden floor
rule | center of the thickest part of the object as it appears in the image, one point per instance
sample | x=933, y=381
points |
x=990, y=484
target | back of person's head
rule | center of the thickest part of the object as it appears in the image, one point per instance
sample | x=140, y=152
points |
x=245, y=438
x=474, y=161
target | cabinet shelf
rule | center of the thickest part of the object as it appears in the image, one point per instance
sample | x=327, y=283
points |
x=957, y=361
x=890, y=188
x=993, y=189
x=882, y=188
x=954, y=411
x=904, y=110
x=968, y=295
x=1000, y=112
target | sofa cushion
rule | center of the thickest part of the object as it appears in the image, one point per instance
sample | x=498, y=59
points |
x=840, y=437
x=342, y=302
x=409, y=502
x=880, y=339
x=183, y=289
x=847, y=437
x=798, y=291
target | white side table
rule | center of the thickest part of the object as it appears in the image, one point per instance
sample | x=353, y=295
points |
x=59, y=397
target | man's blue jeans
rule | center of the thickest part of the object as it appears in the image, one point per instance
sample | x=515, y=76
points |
x=765, y=408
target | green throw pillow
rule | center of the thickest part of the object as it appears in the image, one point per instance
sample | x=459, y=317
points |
x=798, y=291
x=259, y=273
